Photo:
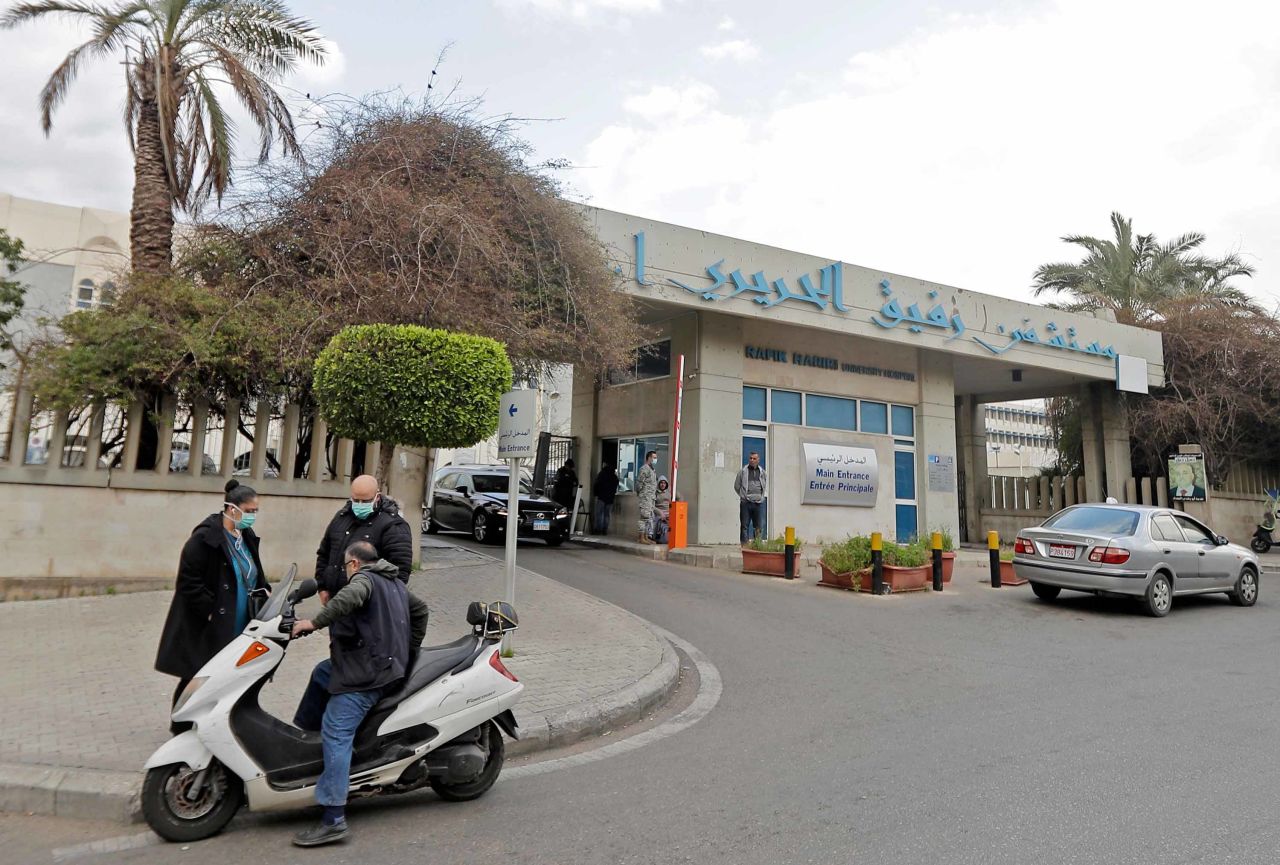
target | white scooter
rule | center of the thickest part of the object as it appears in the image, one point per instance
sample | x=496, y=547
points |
x=440, y=727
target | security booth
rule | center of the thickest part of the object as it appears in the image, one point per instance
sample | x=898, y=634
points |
x=861, y=390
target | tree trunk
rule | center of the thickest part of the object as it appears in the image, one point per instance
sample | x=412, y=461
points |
x=151, y=218
x=385, y=453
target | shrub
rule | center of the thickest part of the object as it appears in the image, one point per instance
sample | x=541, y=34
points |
x=772, y=545
x=848, y=556
x=909, y=555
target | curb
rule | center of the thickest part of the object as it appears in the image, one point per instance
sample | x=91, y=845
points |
x=97, y=794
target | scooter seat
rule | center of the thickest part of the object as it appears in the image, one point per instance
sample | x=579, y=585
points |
x=431, y=663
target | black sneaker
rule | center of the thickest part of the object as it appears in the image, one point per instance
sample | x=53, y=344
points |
x=323, y=833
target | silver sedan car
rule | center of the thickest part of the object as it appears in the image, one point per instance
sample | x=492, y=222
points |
x=1153, y=554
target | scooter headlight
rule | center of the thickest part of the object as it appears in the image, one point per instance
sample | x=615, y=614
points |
x=189, y=691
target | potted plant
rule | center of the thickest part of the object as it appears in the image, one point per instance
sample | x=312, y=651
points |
x=948, y=554
x=768, y=556
x=906, y=567
x=1007, y=575
x=841, y=562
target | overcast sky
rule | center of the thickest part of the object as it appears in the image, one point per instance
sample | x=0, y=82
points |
x=951, y=141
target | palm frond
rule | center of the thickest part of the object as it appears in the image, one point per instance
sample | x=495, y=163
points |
x=23, y=12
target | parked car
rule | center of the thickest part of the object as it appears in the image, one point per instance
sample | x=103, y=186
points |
x=180, y=458
x=1149, y=553
x=473, y=499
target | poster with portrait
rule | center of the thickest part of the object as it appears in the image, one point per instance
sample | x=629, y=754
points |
x=1186, y=478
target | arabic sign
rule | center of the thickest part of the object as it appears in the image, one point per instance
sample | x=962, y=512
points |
x=942, y=473
x=799, y=359
x=826, y=293
x=839, y=475
x=1186, y=478
x=517, y=419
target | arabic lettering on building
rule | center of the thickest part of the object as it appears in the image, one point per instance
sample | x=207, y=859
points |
x=829, y=292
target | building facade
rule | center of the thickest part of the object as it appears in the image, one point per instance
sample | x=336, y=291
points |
x=1019, y=440
x=864, y=392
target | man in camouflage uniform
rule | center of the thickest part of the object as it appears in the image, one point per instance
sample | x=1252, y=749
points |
x=646, y=491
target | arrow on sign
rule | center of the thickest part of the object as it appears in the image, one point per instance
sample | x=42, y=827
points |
x=512, y=411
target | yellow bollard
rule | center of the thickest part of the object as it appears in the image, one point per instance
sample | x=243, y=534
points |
x=935, y=544
x=789, y=552
x=877, y=563
x=993, y=550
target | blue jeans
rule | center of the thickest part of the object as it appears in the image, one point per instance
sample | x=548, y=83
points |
x=750, y=519
x=604, y=510
x=338, y=716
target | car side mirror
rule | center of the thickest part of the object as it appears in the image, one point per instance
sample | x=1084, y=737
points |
x=462, y=488
x=1221, y=540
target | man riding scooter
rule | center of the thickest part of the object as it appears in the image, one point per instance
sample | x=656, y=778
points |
x=1262, y=536
x=374, y=622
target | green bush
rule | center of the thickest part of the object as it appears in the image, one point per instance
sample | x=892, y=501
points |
x=908, y=555
x=848, y=556
x=403, y=384
x=948, y=542
x=772, y=545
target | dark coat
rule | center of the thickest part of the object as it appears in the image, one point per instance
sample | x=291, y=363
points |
x=385, y=529
x=606, y=486
x=566, y=486
x=202, y=616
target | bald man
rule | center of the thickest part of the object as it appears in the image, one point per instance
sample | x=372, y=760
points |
x=367, y=516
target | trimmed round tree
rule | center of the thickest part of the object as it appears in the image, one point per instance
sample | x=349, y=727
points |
x=403, y=384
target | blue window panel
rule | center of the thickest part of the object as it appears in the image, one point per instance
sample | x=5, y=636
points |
x=904, y=420
x=831, y=412
x=906, y=523
x=786, y=407
x=755, y=426
x=904, y=475
x=753, y=407
x=875, y=417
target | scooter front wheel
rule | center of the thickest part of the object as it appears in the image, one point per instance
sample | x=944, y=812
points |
x=474, y=789
x=1260, y=545
x=182, y=804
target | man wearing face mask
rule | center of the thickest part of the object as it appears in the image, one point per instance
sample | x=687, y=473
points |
x=646, y=489
x=371, y=517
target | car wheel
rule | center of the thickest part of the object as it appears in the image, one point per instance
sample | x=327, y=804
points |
x=555, y=540
x=430, y=526
x=484, y=529
x=1159, y=597
x=1246, y=590
x=1045, y=593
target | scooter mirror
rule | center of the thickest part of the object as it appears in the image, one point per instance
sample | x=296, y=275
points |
x=305, y=589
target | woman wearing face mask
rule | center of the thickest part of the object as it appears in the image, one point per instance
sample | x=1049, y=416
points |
x=213, y=600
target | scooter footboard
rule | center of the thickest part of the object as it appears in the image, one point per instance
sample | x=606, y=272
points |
x=185, y=748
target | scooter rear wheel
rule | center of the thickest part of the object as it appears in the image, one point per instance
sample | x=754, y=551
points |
x=174, y=816
x=1260, y=545
x=469, y=790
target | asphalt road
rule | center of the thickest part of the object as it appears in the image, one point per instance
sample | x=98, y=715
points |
x=976, y=726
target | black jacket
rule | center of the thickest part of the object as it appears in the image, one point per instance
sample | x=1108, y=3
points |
x=385, y=529
x=565, y=489
x=370, y=632
x=606, y=486
x=202, y=616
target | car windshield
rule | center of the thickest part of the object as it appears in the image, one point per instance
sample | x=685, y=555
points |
x=498, y=484
x=275, y=604
x=1116, y=522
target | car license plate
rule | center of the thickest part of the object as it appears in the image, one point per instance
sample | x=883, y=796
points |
x=541, y=525
x=1062, y=551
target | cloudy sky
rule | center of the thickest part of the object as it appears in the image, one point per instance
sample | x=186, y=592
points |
x=953, y=141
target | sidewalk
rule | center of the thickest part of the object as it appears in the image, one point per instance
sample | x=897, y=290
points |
x=81, y=708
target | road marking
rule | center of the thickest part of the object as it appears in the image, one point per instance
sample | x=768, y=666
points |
x=709, y=689
x=107, y=845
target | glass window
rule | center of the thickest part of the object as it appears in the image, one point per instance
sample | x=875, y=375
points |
x=1098, y=520
x=786, y=407
x=1195, y=533
x=84, y=294
x=904, y=420
x=906, y=528
x=875, y=417
x=631, y=453
x=497, y=483
x=447, y=481
x=1163, y=526
x=753, y=403
x=651, y=361
x=904, y=475
x=831, y=412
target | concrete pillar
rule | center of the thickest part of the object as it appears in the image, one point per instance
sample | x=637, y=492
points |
x=199, y=422
x=164, y=433
x=972, y=423
x=711, y=425
x=936, y=437
x=1116, y=461
x=1091, y=439
x=230, y=434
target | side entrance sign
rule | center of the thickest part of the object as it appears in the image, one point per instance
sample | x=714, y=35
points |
x=517, y=420
x=839, y=475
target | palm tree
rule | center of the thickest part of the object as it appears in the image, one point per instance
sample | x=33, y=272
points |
x=1137, y=277
x=177, y=53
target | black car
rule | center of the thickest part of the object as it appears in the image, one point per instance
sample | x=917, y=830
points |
x=474, y=499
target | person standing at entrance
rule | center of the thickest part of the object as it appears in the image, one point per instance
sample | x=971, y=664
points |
x=605, y=490
x=646, y=489
x=750, y=487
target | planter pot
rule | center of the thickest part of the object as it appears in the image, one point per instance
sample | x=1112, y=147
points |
x=1008, y=577
x=948, y=565
x=837, y=581
x=901, y=579
x=768, y=564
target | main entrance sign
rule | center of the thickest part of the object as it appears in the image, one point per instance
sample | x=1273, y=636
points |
x=840, y=475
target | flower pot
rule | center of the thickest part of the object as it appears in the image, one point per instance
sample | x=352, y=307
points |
x=948, y=565
x=768, y=564
x=1007, y=575
x=834, y=580
x=902, y=579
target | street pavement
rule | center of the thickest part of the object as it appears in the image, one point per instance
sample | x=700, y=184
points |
x=974, y=726
x=79, y=692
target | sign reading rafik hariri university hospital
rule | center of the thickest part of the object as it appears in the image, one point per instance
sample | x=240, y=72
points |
x=840, y=475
